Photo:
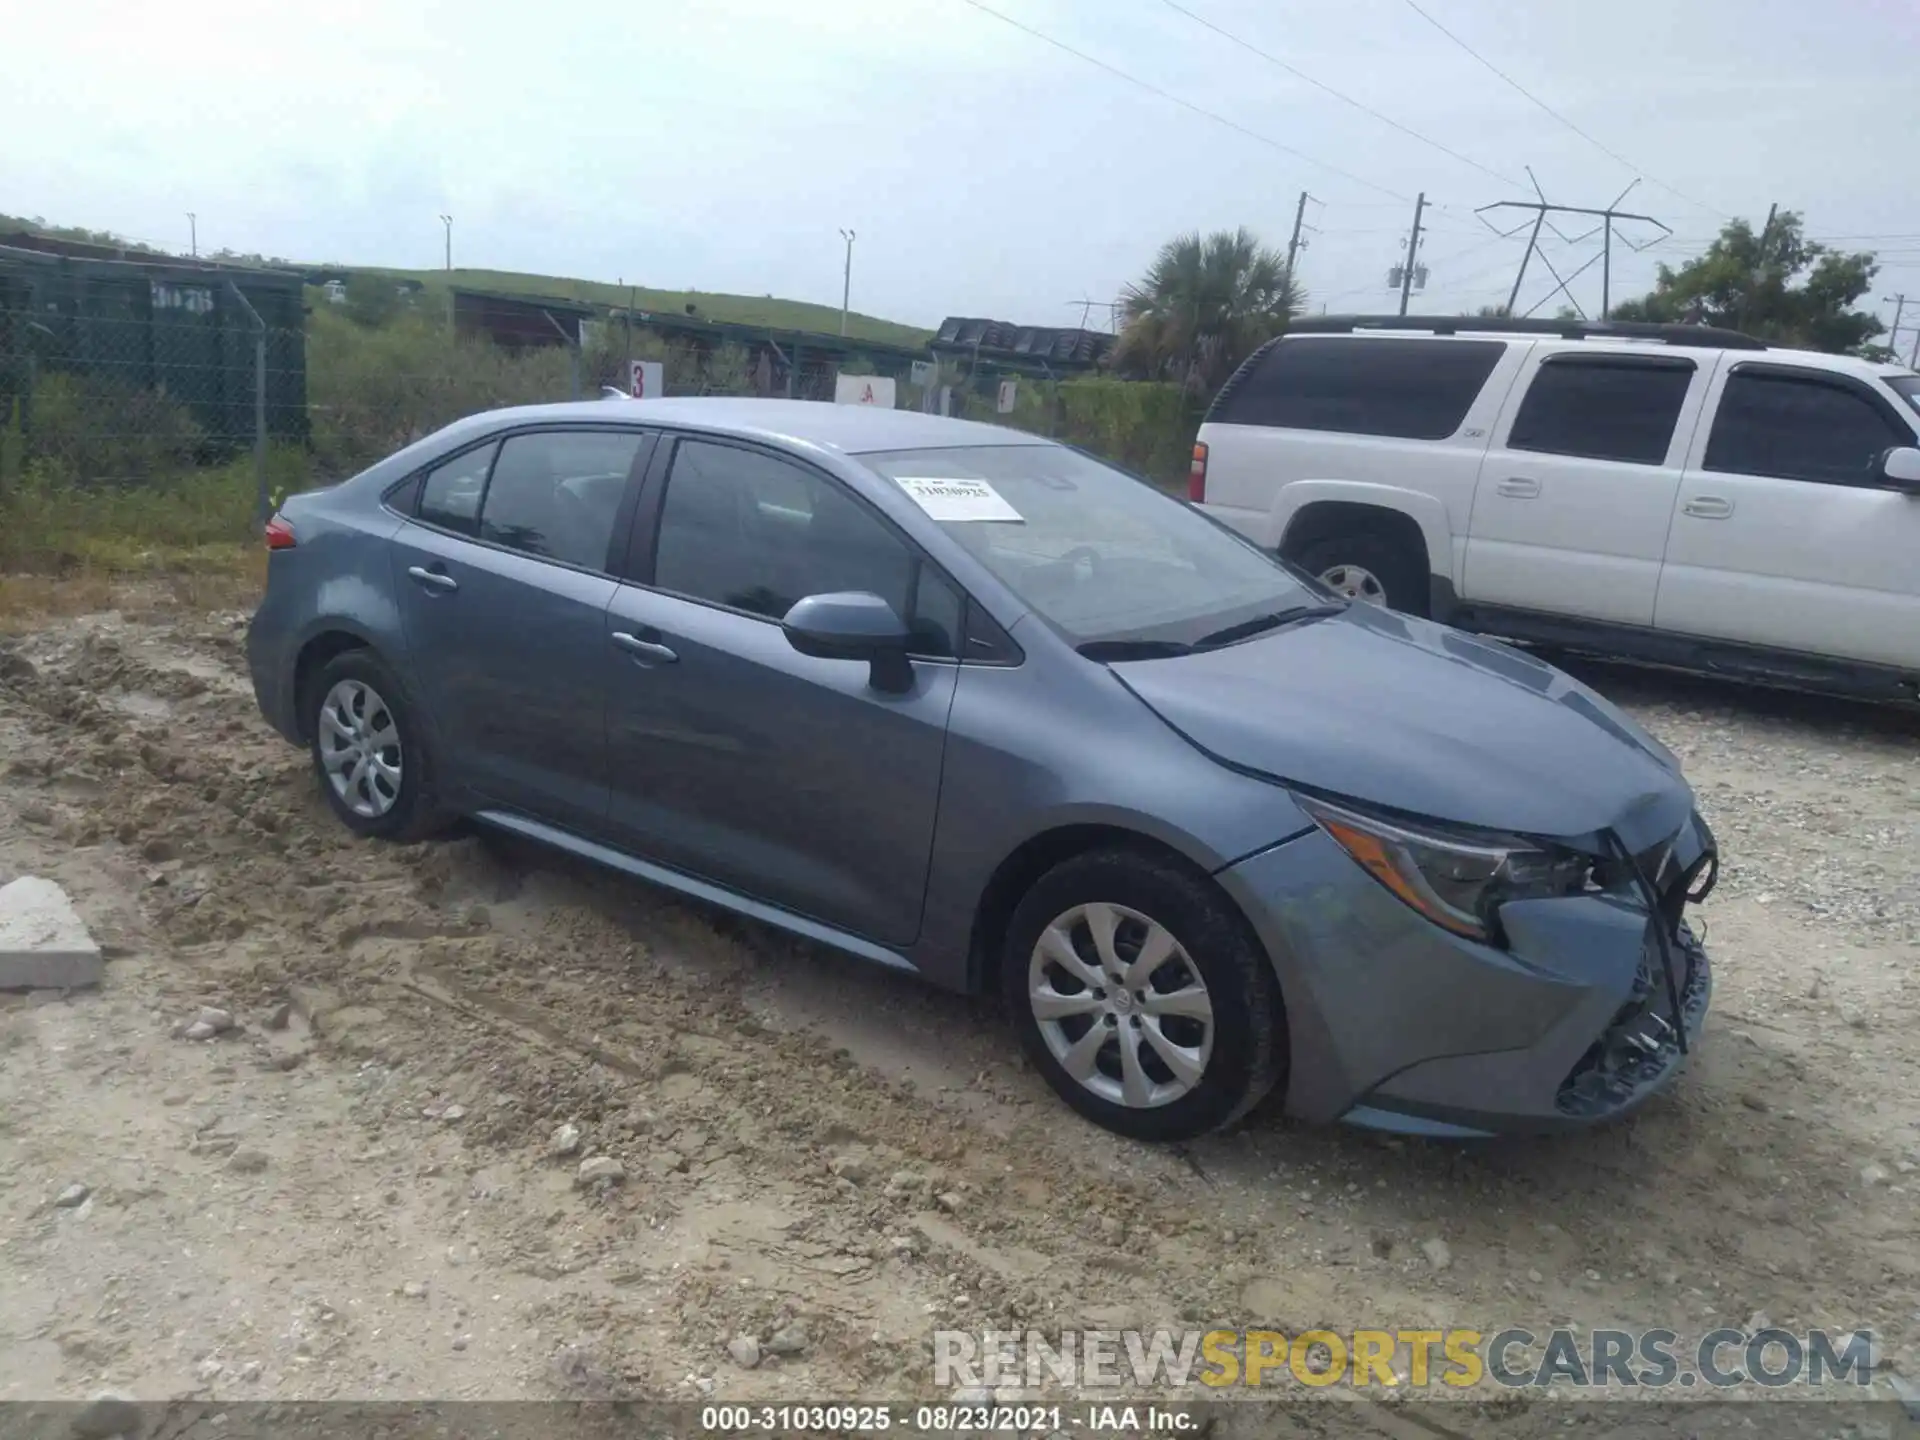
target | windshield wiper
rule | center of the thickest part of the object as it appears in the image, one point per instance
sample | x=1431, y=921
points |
x=1107, y=651
x=1259, y=624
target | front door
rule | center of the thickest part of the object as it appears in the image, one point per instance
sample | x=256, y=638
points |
x=1570, y=512
x=1780, y=538
x=502, y=574
x=735, y=758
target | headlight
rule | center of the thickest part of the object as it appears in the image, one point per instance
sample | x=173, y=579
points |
x=1457, y=879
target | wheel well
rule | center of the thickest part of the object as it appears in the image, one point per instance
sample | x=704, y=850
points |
x=313, y=656
x=1017, y=873
x=1325, y=519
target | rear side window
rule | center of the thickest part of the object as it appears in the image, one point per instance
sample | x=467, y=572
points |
x=1798, y=429
x=1406, y=389
x=450, y=498
x=555, y=494
x=1602, y=409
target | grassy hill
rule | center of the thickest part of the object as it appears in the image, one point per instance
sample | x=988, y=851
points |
x=741, y=309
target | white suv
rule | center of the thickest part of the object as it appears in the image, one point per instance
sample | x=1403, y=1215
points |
x=1666, y=493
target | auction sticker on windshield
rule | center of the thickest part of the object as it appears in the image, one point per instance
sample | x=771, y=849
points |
x=951, y=499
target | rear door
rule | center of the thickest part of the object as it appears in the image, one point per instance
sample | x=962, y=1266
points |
x=1571, y=510
x=504, y=576
x=735, y=758
x=1779, y=537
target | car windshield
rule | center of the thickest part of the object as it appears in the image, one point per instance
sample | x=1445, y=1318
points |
x=1103, y=557
x=1907, y=387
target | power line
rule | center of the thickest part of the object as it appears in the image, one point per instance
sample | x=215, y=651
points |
x=1611, y=153
x=1362, y=107
x=1153, y=89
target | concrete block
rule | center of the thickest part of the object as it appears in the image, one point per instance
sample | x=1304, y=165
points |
x=44, y=945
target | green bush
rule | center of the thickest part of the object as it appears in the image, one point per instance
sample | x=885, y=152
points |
x=95, y=431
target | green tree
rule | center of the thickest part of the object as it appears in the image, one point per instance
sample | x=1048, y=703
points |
x=1747, y=281
x=1204, y=305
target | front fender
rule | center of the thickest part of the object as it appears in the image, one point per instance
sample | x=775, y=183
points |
x=1446, y=552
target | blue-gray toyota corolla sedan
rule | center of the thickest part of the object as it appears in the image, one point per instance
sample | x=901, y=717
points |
x=974, y=705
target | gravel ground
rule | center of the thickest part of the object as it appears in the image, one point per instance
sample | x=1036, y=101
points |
x=369, y=1185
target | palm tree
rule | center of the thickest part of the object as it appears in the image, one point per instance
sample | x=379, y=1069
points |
x=1205, y=304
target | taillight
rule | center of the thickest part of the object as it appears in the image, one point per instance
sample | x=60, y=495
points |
x=279, y=534
x=1197, y=476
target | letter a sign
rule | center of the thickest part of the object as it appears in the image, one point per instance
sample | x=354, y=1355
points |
x=864, y=390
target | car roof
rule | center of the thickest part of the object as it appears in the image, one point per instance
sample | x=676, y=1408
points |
x=850, y=429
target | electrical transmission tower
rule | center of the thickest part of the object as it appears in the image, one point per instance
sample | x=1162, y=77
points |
x=1541, y=209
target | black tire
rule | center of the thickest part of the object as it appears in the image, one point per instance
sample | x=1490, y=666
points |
x=1249, y=1046
x=411, y=813
x=1399, y=569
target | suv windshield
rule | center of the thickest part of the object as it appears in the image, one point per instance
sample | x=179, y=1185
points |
x=1101, y=556
x=1907, y=387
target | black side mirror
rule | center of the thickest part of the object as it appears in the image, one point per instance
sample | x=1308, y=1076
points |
x=853, y=625
x=1899, y=469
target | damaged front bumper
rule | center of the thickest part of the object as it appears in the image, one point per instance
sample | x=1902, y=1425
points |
x=1397, y=1025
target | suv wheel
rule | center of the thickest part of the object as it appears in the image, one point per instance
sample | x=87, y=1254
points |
x=368, y=755
x=1366, y=566
x=1142, y=997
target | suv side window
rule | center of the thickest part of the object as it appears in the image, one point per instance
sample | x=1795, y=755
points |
x=556, y=493
x=753, y=532
x=450, y=498
x=1798, y=429
x=1602, y=408
x=1360, y=385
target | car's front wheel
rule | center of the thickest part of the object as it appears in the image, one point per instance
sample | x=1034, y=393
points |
x=368, y=754
x=1142, y=996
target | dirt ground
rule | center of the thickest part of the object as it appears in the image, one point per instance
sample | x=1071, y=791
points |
x=354, y=1192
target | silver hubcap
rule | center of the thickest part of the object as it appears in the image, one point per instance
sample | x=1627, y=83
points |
x=1355, y=583
x=1120, y=1005
x=360, y=748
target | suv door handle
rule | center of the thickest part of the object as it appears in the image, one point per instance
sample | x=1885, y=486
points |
x=432, y=579
x=644, y=649
x=1520, y=487
x=1709, y=507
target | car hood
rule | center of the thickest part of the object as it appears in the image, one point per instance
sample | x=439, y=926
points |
x=1415, y=717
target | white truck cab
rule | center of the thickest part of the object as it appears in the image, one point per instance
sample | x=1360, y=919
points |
x=1669, y=493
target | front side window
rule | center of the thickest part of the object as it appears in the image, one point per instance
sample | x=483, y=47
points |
x=556, y=494
x=753, y=532
x=1907, y=387
x=1603, y=409
x=1361, y=385
x=1099, y=555
x=1798, y=429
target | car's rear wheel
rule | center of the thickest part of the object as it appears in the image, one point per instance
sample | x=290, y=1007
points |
x=1370, y=567
x=368, y=754
x=1142, y=996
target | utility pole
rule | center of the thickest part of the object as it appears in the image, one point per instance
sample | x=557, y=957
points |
x=1413, y=249
x=193, y=234
x=1541, y=209
x=1293, y=244
x=846, y=284
x=1913, y=360
x=447, y=220
x=1899, y=308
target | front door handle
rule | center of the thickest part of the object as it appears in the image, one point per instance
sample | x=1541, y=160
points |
x=432, y=579
x=644, y=649
x=1520, y=487
x=1709, y=507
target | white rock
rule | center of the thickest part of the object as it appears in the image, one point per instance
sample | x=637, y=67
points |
x=199, y=1030
x=44, y=945
x=565, y=1139
x=72, y=1196
x=745, y=1351
x=1873, y=1174
x=1437, y=1252
x=214, y=1018
x=414, y=1290
x=600, y=1169
x=208, y=1370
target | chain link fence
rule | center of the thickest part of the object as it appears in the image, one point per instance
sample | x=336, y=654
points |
x=123, y=437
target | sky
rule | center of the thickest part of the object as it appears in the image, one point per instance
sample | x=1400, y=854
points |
x=722, y=145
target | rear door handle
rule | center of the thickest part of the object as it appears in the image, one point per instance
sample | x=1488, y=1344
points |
x=1520, y=487
x=1709, y=507
x=432, y=579
x=644, y=649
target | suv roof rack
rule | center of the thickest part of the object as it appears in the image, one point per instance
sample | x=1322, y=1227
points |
x=1707, y=337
